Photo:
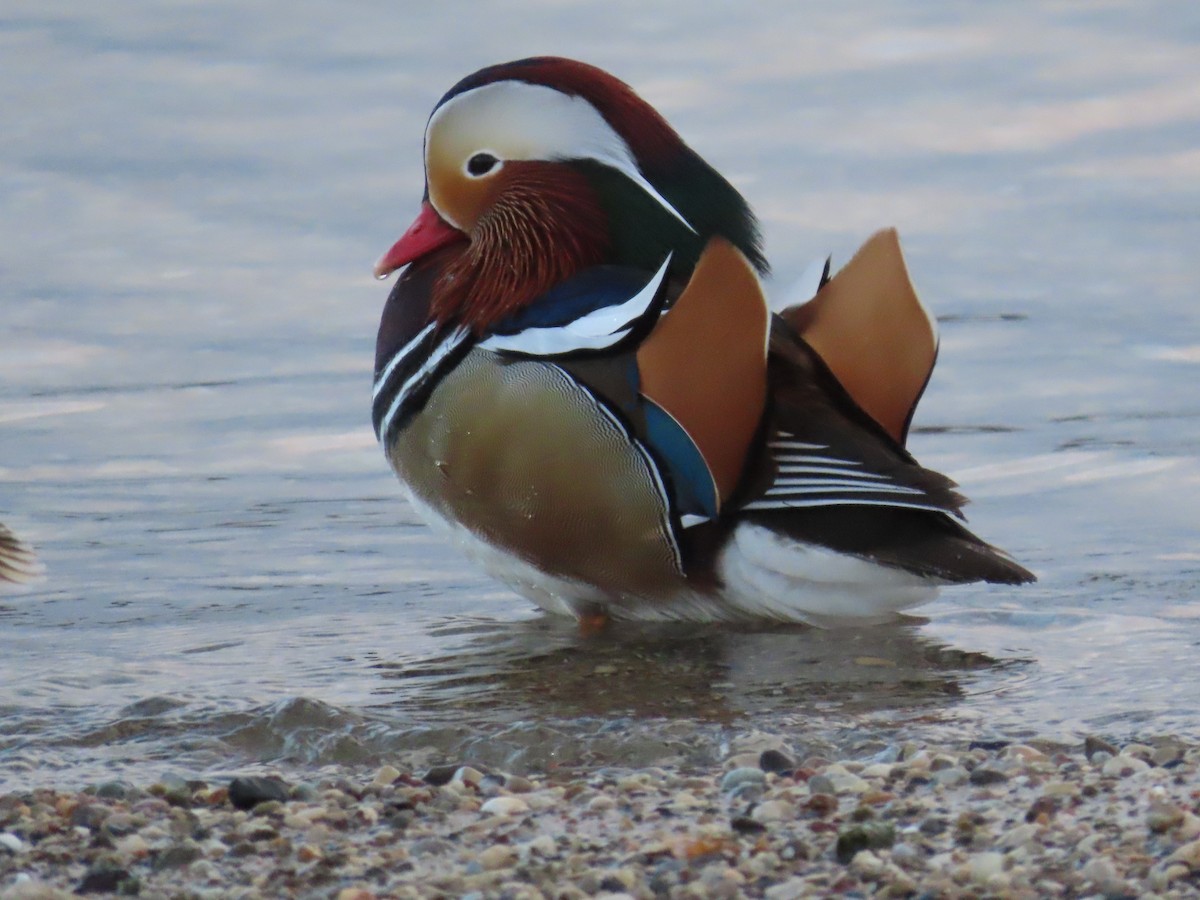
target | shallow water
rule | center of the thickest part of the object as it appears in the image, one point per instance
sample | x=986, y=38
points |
x=194, y=198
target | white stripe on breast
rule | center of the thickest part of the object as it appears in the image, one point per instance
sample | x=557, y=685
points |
x=399, y=357
x=444, y=349
x=598, y=329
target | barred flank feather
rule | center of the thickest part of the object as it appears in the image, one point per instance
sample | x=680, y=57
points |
x=18, y=563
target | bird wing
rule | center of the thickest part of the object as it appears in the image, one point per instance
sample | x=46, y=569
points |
x=822, y=449
x=827, y=473
x=872, y=331
x=705, y=363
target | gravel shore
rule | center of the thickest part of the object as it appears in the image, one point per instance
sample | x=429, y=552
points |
x=984, y=820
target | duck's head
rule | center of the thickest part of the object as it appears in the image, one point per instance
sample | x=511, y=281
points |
x=537, y=169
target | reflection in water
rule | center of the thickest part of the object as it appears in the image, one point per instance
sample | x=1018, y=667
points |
x=627, y=691
x=544, y=669
x=538, y=696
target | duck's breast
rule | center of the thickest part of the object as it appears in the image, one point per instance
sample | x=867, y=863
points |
x=528, y=460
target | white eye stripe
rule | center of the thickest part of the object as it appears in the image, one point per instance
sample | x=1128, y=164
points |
x=529, y=122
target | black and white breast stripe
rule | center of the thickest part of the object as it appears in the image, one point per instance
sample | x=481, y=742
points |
x=809, y=475
x=404, y=384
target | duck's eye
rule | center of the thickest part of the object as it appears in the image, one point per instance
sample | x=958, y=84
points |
x=481, y=164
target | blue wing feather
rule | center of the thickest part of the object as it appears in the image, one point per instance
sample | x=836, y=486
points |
x=694, y=489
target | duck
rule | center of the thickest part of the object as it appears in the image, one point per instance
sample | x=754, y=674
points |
x=18, y=563
x=580, y=381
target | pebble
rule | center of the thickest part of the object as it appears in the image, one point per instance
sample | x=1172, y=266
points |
x=119, y=824
x=1189, y=828
x=867, y=864
x=498, y=856
x=179, y=855
x=1188, y=854
x=247, y=793
x=305, y=816
x=821, y=805
x=985, y=775
x=1141, y=751
x=821, y=784
x=90, y=815
x=1122, y=766
x=983, y=867
x=385, y=776
x=1163, y=815
x=792, y=889
x=303, y=792
x=1093, y=745
x=1019, y=836
x=133, y=846
x=747, y=825
x=1174, y=873
x=439, y=775
x=1103, y=875
x=911, y=820
x=776, y=761
x=877, y=770
x=515, y=784
x=942, y=761
x=543, y=845
x=866, y=836
x=742, y=776
x=836, y=780
x=602, y=803
x=1026, y=754
x=1058, y=789
x=106, y=879
x=467, y=775
x=114, y=790
x=504, y=806
x=773, y=811
x=951, y=777
x=1166, y=754
x=686, y=800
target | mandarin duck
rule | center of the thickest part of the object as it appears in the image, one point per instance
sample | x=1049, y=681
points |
x=18, y=563
x=579, y=379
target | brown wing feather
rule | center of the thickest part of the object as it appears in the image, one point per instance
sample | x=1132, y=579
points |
x=870, y=328
x=705, y=362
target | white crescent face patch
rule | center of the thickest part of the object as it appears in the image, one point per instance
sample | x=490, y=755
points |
x=513, y=120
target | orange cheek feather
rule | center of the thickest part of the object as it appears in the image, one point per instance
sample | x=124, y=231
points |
x=534, y=225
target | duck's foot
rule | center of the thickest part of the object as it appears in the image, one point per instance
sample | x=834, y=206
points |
x=593, y=621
